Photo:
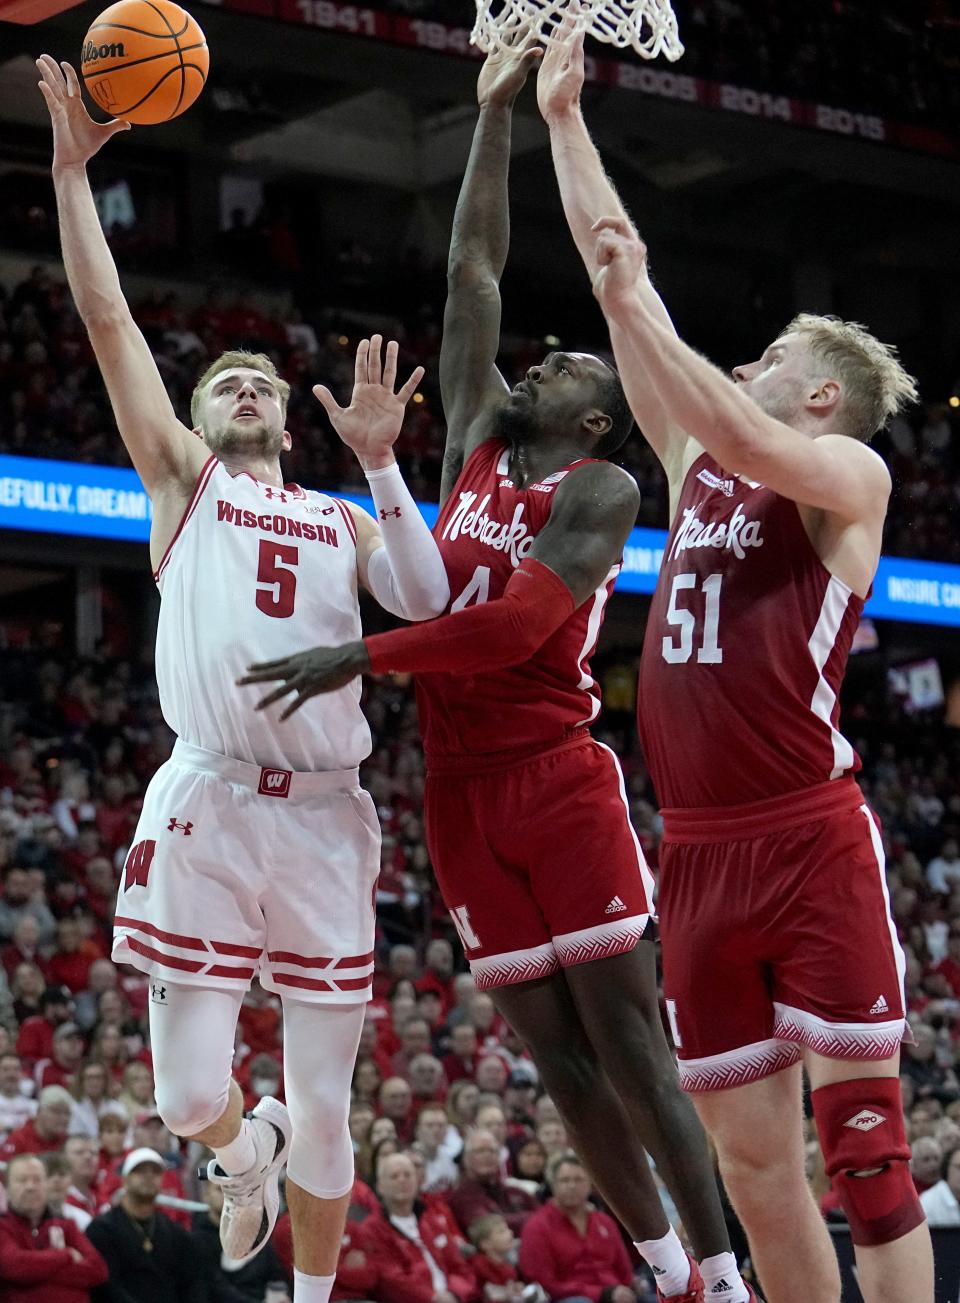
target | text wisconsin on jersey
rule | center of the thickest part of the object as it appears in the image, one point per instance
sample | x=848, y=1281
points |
x=245, y=519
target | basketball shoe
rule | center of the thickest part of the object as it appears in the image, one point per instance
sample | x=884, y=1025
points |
x=251, y=1200
x=693, y=1293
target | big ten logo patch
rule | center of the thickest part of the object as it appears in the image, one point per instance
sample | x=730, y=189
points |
x=275, y=782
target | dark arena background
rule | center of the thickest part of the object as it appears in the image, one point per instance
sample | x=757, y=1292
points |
x=802, y=155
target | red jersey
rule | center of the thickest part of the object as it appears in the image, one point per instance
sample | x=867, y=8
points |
x=485, y=529
x=745, y=649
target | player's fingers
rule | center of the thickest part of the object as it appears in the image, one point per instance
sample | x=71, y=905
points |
x=51, y=75
x=616, y=224
x=409, y=389
x=117, y=125
x=261, y=667
x=390, y=365
x=73, y=83
x=327, y=401
x=360, y=370
x=276, y=695
x=304, y=694
x=373, y=363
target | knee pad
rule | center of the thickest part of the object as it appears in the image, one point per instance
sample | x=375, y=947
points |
x=185, y=1110
x=866, y=1155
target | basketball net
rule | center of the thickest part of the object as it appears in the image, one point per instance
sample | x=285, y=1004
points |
x=647, y=26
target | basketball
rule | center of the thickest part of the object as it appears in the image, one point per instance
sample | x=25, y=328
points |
x=144, y=60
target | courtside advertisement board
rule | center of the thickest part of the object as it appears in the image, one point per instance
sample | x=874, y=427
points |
x=59, y=497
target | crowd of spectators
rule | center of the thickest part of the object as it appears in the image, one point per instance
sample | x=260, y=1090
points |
x=53, y=402
x=898, y=58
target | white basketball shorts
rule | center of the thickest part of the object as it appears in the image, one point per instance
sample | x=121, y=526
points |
x=238, y=871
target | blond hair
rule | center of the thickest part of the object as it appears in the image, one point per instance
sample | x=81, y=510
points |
x=237, y=357
x=874, y=382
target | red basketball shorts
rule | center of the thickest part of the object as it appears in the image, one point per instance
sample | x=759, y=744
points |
x=538, y=862
x=777, y=936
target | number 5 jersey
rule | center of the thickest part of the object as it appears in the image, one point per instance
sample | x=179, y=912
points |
x=254, y=573
x=485, y=529
x=746, y=645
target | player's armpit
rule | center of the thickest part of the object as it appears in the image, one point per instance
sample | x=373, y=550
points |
x=593, y=512
x=161, y=448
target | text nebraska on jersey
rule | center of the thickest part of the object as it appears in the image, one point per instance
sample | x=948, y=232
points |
x=246, y=519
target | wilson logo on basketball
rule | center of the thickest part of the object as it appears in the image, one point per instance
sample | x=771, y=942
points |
x=274, y=782
x=91, y=53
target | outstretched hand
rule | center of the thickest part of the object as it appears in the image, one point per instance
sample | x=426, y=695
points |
x=308, y=674
x=561, y=75
x=76, y=137
x=372, y=422
x=621, y=258
x=505, y=69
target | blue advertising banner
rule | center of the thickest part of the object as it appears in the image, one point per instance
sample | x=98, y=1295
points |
x=57, y=497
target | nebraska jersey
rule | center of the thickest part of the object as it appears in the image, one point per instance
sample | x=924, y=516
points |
x=745, y=649
x=485, y=529
x=254, y=573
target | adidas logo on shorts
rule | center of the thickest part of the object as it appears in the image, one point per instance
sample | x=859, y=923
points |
x=865, y=1120
x=616, y=906
x=880, y=1006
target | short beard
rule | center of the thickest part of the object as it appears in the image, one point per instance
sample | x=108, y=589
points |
x=785, y=403
x=514, y=421
x=239, y=438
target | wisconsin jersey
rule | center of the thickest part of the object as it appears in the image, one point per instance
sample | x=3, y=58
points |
x=485, y=529
x=252, y=573
x=746, y=645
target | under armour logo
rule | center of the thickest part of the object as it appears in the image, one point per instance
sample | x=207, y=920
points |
x=394, y=511
x=175, y=826
x=865, y=1120
x=158, y=993
x=327, y=511
x=275, y=493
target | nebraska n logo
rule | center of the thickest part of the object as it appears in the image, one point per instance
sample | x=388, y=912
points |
x=137, y=868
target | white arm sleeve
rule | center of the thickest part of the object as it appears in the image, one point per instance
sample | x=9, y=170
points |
x=406, y=575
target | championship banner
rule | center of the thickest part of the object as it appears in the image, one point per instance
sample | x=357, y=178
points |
x=627, y=74
x=61, y=497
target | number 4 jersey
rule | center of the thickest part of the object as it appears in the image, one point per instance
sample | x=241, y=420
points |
x=254, y=573
x=746, y=644
x=485, y=529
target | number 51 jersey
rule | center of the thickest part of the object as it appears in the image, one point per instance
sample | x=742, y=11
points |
x=746, y=644
x=254, y=573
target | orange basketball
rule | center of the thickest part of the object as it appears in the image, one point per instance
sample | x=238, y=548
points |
x=144, y=60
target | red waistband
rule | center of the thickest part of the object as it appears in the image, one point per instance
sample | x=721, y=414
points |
x=495, y=760
x=731, y=823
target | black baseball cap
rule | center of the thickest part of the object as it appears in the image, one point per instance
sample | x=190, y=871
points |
x=57, y=995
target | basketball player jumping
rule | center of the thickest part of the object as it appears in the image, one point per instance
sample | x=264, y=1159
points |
x=526, y=815
x=779, y=951
x=257, y=851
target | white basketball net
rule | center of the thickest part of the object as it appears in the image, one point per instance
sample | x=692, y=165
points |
x=647, y=26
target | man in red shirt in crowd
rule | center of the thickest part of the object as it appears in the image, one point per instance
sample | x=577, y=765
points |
x=69, y=966
x=44, y=1133
x=35, y=1039
x=62, y=1067
x=43, y=1259
x=570, y=1247
x=461, y=1062
x=481, y=1190
x=416, y=1259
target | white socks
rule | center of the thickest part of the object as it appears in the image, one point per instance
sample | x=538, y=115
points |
x=311, y=1289
x=721, y=1270
x=240, y=1154
x=668, y=1262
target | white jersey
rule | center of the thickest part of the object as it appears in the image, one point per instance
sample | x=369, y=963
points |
x=254, y=573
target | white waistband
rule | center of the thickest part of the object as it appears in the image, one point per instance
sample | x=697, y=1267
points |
x=267, y=780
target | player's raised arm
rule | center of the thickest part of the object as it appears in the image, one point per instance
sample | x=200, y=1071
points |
x=587, y=194
x=469, y=380
x=594, y=510
x=163, y=450
x=815, y=463
x=398, y=560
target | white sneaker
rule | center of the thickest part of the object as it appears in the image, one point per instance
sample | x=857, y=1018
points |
x=251, y=1200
